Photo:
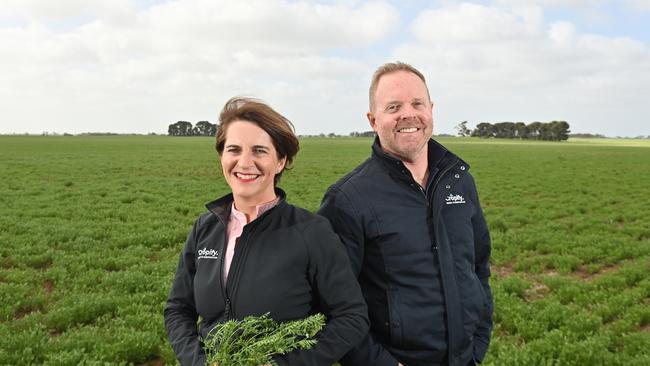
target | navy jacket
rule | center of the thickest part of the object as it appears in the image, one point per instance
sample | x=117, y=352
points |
x=287, y=262
x=421, y=257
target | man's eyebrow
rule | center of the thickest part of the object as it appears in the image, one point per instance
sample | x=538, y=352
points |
x=393, y=102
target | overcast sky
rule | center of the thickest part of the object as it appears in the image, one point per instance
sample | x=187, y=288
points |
x=134, y=66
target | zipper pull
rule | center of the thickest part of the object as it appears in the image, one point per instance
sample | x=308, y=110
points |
x=227, y=312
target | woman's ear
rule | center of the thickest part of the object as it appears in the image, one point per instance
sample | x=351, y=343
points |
x=281, y=163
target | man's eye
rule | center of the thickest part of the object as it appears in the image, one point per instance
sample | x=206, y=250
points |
x=392, y=108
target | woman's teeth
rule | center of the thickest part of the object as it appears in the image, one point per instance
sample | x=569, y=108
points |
x=246, y=176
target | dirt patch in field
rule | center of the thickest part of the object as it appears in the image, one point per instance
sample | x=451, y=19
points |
x=48, y=285
x=584, y=274
x=21, y=313
x=24, y=311
x=645, y=328
x=155, y=362
x=502, y=271
x=537, y=292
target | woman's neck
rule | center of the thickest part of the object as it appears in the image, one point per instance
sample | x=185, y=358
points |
x=249, y=207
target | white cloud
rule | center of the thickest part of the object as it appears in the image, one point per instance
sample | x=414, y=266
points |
x=141, y=69
x=489, y=63
x=473, y=23
x=562, y=33
x=124, y=67
x=62, y=10
x=639, y=5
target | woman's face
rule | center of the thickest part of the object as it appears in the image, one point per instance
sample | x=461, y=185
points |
x=250, y=162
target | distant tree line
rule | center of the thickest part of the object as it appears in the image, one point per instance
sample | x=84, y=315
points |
x=590, y=135
x=370, y=133
x=548, y=131
x=184, y=128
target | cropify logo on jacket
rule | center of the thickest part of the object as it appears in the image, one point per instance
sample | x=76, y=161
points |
x=208, y=253
x=454, y=199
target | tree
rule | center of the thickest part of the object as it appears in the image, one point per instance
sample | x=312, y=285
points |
x=484, y=130
x=213, y=129
x=560, y=130
x=521, y=131
x=550, y=131
x=535, y=130
x=462, y=129
x=504, y=130
x=204, y=128
x=180, y=128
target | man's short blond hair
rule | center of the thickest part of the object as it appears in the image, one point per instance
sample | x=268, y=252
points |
x=387, y=69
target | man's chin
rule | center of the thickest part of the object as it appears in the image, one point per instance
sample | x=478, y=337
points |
x=408, y=153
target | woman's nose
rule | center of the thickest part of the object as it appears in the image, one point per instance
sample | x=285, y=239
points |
x=245, y=160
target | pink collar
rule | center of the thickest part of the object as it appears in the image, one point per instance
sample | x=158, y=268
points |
x=261, y=208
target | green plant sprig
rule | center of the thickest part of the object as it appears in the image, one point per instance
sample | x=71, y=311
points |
x=253, y=341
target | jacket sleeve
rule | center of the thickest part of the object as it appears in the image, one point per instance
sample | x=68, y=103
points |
x=482, y=248
x=338, y=296
x=345, y=220
x=180, y=310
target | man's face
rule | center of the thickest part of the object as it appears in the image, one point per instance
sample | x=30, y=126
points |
x=402, y=115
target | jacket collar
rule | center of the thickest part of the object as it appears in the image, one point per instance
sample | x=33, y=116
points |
x=221, y=206
x=438, y=157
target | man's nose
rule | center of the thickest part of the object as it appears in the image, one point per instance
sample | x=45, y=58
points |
x=408, y=113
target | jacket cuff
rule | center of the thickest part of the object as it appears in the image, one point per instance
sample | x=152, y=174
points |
x=480, y=349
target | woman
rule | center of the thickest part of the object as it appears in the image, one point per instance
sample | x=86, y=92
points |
x=253, y=252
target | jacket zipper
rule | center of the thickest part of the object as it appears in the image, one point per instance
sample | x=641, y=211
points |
x=227, y=311
x=224, y=293
x=229, y=314
x=434, y=185
x=234, y=272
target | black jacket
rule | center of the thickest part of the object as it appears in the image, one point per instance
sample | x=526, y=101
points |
x=421, y=257
x=287, y=262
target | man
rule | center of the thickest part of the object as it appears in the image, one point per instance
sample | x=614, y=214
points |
x=413, y=227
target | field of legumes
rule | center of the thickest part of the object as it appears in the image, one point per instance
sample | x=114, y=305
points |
x=91, y=228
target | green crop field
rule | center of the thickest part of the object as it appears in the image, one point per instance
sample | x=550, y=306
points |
x=91, y=228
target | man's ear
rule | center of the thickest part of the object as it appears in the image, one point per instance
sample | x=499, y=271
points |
x=371, y=120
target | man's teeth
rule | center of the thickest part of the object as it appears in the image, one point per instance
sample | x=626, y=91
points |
x=246, y=176
x=410, y=129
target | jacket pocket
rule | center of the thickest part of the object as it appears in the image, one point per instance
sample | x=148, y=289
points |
x=395, y=323
x=474, y=300
x=484, y=298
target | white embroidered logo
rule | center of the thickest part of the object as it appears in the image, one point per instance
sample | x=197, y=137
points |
x=208, y=253
x=454, y=199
